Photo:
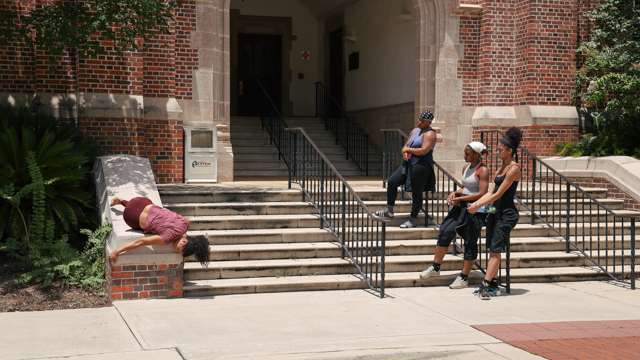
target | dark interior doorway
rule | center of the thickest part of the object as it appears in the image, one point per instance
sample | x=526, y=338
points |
x=336, y=59
x=259, y=58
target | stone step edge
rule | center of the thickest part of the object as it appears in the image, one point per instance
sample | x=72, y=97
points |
x=410, y=279
x=398, y=259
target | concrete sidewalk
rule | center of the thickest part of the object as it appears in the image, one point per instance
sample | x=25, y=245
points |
x=409, y=324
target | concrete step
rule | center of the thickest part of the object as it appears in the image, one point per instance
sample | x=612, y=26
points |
x=400, y=279
x=403, y=206
x=261, y=165
x=409, y=279
x=442, y=191
x=404, y=247
x=406, y=263
x=242, y=208
x=209, y=195
x=253, y=222
x=556, y=218
x=242, y=173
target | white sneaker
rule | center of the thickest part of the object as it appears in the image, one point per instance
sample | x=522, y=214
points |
x=459, y=283
x=429, y=273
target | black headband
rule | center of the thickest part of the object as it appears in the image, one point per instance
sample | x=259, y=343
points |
x=507, y=142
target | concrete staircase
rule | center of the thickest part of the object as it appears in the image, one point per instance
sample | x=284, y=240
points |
x=270, y=240
x=254, y=156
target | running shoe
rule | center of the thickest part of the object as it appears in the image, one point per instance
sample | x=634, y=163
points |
x=431, y=271
x=492, y=291
x=459, y=283
x=485, y=293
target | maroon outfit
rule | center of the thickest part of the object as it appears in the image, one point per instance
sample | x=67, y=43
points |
x=165, y=223
x=133, y=209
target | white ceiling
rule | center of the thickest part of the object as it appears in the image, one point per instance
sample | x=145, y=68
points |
x=322, y=8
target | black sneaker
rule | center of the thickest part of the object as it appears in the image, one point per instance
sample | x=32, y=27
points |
x=491, y=291
x=485, y=294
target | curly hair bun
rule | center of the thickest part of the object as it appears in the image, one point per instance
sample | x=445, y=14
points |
x=515, y=135
x=198, y=246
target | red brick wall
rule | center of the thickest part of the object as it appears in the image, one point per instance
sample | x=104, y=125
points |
x=108, y=73
x=159, y=140
x=152, y=72
x=17, y=62
x=519, y=52
x=63, y=80
x=497, y=53
x=538, y=139
x=186, y=58
x=159, y=60
x=144, y=281
x=546, y=43
x=612, y=191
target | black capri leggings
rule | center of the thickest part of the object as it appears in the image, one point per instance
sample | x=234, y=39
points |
x=419, y=175
x=499, y=226
x=467, y=225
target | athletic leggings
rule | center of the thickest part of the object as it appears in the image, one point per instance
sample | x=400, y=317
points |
x=419, y=175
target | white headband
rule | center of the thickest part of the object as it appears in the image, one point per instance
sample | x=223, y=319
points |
x=477, y=146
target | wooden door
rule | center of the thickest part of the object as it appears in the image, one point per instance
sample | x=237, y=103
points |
x=259, y=58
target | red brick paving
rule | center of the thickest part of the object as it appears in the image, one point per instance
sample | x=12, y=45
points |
x=572, y=340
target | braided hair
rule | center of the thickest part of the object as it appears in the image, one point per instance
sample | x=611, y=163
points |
x=198, y=245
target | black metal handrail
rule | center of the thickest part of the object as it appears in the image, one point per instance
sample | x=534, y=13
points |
x=435, y=207
x=549, y=194
x=360, y=233
x=348, y=134
x=272, y=121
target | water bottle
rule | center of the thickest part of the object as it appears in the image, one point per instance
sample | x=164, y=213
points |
x=487, y=209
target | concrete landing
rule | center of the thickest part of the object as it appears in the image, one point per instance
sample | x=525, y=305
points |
x=409, y=324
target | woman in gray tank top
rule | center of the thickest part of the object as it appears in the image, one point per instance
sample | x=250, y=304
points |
x=475, y=183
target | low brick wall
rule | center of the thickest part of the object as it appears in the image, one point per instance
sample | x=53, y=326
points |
x=153, y=271
x=612, y=191
x=538, y=139
x=144, y=281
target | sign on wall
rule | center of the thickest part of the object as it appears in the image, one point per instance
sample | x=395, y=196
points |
x=306, y=55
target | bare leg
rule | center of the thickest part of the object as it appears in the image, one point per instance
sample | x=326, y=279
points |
x=441, y=251
x=493, y=266
x=466, y=268
x=115, y=201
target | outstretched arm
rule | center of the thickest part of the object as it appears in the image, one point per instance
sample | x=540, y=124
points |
x=150, y=240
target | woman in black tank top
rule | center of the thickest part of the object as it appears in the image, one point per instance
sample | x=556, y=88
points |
x=505, y=218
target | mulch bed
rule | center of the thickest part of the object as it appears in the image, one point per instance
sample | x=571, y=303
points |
x=35, y=297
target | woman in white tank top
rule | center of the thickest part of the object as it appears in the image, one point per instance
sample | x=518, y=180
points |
x=475, y=183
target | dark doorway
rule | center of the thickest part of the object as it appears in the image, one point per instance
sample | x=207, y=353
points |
x=259, y=58
x=336, y=76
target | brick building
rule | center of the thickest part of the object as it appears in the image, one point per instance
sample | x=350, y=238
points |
x=479, y=64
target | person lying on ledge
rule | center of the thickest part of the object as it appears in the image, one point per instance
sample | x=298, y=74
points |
x=167, y=226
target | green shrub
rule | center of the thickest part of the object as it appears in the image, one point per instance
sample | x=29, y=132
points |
x=608, y=80
x=49, y=258
x=61, y=153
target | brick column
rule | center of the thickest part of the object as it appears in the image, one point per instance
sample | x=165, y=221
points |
x=138, y=281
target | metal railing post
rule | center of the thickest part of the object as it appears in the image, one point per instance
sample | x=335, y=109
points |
x=382, y=271
x=533, y=193
x=322, y=204
x=568, y=207
x=292, y=158
x=633, y=253
x=384, y=160
x=344, y=219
